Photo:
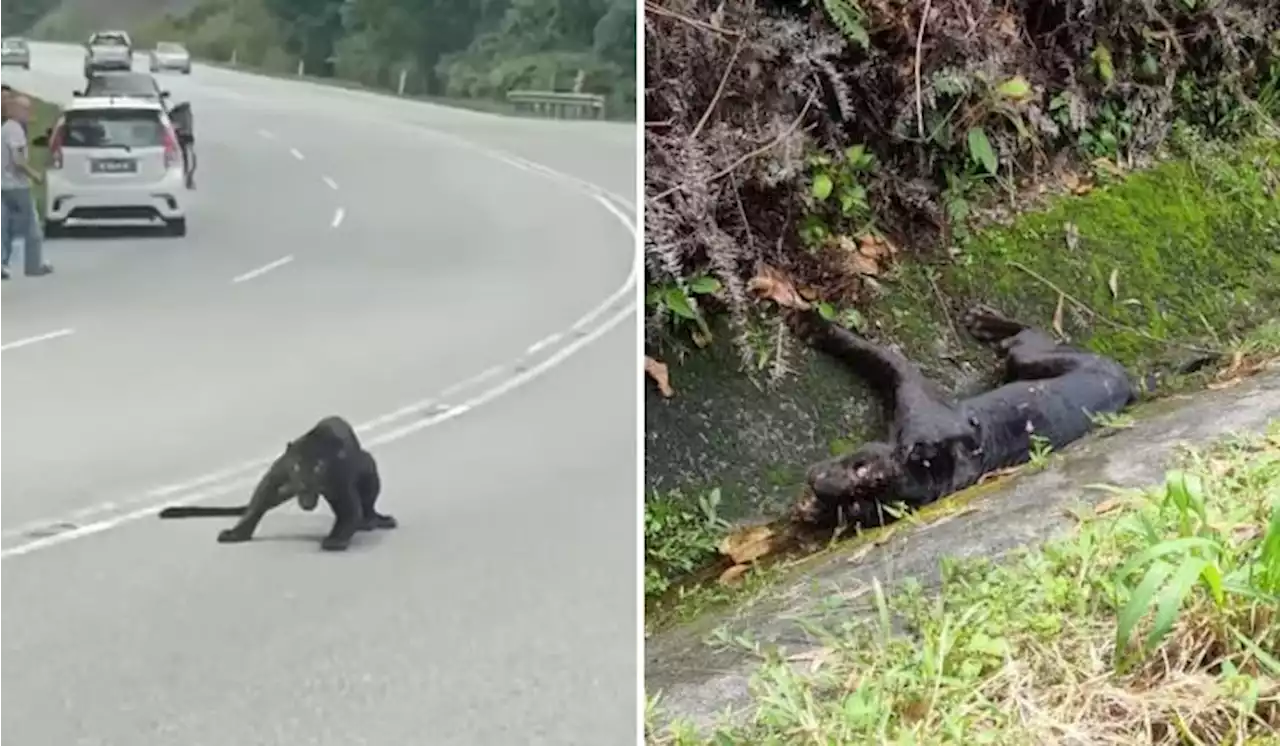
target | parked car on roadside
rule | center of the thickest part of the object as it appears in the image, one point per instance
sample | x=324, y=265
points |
x=170, y=55
x=114, y=159
x=108, y=50
x=14, y=50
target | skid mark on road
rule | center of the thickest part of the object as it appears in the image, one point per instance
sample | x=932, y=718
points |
x=260, y=271
x=428, y=412
x=26, y=341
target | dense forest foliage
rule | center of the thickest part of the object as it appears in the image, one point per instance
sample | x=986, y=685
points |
x=479, y=49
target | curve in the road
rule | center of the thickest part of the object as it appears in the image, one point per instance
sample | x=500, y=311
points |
x=402, y=421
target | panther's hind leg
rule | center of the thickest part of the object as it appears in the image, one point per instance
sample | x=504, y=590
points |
x=369, y=486
x=989, y=326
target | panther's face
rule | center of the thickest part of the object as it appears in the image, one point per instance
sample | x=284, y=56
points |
x=304, y=475
x=852, y=488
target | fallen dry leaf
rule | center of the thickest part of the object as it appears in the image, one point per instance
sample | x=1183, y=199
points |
x=734, y=574
x=876, y=247
x=1109, y=505
x=863, y=265
x=815, y=658
x=1057, y=315
x=658, y=372
x=991, y=476
x=1113, y=283
x=772, y=284
x=748, y=544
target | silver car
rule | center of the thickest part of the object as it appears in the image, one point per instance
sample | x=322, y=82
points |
x=170, y=55
x=108, y=50
x=15, y=51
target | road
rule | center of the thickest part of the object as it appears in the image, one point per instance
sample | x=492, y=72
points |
x=463, y=287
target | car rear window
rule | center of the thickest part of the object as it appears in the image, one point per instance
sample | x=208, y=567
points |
x=133, y=128
x=108, y=41
x=121, y=85
x=14, y=44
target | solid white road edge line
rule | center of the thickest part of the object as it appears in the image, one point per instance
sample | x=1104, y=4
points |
x=260, y=271
x=38, y=338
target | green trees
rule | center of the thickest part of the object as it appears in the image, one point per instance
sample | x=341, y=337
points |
x=469, y=49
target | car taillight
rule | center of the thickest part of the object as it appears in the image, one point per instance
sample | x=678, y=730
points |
x=55, y=145
x=171, y=154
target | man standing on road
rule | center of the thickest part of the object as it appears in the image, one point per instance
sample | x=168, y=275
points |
x=19, y=214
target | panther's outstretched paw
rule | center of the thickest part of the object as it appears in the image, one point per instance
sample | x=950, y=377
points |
x=988, y=325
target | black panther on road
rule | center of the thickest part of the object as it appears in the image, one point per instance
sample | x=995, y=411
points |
x=326, y=461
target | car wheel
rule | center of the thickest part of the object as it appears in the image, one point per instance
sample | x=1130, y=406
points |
x=176, y=227
x=54, y=229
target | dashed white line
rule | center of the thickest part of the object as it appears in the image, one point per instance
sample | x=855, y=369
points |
x=260, y=271
x=267, y=134
x=338, y=215
x=330, y=183
x=296, y=153
x=38, y=338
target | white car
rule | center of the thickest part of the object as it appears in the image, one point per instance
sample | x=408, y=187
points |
x=169, y=55
x=114, y=159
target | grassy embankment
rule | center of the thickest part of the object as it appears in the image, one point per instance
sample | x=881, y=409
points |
x=1178, y=256
x=1156, y=621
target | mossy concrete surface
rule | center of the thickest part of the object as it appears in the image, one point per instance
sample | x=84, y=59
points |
x=1191, y=248
x=699, y=682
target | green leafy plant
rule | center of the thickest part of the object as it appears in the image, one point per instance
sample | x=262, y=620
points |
x=680, y=537
x=678, y=303
x=838, y=195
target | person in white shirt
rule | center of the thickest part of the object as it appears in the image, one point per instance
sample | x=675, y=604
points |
x=19, y=215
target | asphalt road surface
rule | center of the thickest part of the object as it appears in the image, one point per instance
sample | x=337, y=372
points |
x=461, y=285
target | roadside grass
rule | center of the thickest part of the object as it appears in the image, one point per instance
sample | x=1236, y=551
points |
x=1156, y=621
x=43, y=115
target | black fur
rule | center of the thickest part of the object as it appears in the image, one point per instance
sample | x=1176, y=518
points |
x=937, y=447
x=327, y=461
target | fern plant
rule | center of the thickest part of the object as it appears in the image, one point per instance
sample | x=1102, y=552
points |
x=848, y=17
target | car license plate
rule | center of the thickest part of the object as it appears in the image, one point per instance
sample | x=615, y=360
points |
x=114, y=166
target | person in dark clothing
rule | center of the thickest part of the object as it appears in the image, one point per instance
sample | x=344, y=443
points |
x=184, y=124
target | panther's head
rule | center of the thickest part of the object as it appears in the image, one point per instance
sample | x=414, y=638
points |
x=304, y=473
x=849, y=489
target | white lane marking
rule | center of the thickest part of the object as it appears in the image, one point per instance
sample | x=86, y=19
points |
x=38, y=338
x=172, y=491
x=544, y=343
x=404, y=431
x=296, y=153
x=260, y=271
x=338, y=215
x=267, y=134
x=330, y=183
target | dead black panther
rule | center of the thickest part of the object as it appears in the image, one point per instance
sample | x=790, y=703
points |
x=326, y=461
x=937, y=446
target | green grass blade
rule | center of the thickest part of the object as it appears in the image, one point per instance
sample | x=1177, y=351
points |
x=1172, y=598
x=1138, y=604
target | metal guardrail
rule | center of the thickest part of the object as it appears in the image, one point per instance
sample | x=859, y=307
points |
x=558, y=105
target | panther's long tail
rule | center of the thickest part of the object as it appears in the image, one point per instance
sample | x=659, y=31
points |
x=202, y=511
